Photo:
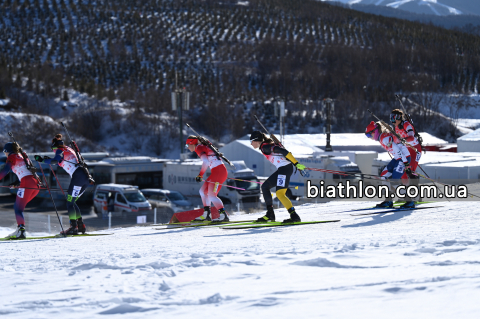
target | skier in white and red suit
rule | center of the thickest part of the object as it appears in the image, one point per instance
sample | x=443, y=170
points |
x=400, y=156
x=28, y=187
x=213, y=184
x=406, y=130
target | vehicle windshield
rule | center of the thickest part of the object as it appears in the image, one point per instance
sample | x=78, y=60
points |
x=248, y=186
x=135, y=197
x=173, y=196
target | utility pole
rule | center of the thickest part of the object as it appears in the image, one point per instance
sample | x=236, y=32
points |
x=279, y=109
x=180, y=102
x=329, y=106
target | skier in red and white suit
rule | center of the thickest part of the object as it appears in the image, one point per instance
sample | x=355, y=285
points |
x=213, y=184
x=406, y=130
x=29, y=185
x=401, y=158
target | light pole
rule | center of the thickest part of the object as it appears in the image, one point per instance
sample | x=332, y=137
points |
x=329, y=105
x=180, y=102
x=279, y=109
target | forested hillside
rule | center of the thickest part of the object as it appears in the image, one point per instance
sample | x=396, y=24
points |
x=230, y=55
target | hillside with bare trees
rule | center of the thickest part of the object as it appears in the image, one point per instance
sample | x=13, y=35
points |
x=231, y=55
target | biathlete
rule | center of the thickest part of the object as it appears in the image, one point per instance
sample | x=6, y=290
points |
x=213, y=184
x=285, y=163
x=28, y=188
x=401, y=158
x=406, y=130
x=66, y=158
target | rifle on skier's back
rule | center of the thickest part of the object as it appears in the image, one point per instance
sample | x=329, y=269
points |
x=401, y=139
x=207, y=143
x=272, y=136
x=81, y=160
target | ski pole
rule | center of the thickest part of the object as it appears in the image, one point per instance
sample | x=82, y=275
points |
x=244, y=180
x=60, y=186
x=48, y=188
x=17, y=187
x=225, y=185
x=418, y=174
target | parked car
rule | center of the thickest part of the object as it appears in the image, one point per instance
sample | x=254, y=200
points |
x=166, y=198
x=122, y=200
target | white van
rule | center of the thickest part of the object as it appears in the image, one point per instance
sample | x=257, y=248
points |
x=121, y=200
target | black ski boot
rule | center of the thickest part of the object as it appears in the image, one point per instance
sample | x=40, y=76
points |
x=294, y=218
x=205, y=216
x=223, y=217
x=81, y=226
x=269, y=217
x=73, y=230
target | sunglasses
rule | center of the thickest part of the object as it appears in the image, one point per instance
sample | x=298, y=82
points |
x=395, y=117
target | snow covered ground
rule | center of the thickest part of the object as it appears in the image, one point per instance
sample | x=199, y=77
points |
x=413, y=264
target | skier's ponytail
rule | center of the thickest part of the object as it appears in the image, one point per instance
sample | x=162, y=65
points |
x=16, y=148
x=267, y=139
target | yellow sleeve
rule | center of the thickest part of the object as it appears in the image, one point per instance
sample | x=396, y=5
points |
x=291, y=158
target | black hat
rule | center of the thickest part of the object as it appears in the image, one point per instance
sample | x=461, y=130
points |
x=256, y=136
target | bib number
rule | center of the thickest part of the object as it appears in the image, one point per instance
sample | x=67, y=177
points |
x=76, y=191
x=400, y=167
x=21, y=192
x=281, y=180
x=417, y=159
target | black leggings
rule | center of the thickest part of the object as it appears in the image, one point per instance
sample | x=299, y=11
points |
x=77, y=186
x=280, y=179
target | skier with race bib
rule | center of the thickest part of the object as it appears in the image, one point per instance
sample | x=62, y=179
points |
x=401, y=158
x=285, y=163
x=66, y=158
x=213, y=184
x=28, y=187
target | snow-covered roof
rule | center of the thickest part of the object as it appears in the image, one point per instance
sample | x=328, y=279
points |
x=473, y=136
x=357, y=139
x=318, y=141
x=294, y=143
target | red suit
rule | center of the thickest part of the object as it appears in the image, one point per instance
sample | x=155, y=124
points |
x=406, y=131
x=28, y=184
x=218, y=176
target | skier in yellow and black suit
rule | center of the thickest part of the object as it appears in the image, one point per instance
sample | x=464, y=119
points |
x=285, y=162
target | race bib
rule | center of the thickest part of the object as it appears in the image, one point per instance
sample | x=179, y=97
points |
x=76, y=191
x=215, y=189
x=400, y=167
x=281, y=180
x=419, y=154
x=21, y=192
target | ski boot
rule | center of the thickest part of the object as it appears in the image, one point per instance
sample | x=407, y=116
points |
x=385, y=204
x=269, y=216
x=19, y=233
x=223, y=216
x=81, y=226
x=205, y=216
x=73, y=230
x=294, y=218
x=408, y=205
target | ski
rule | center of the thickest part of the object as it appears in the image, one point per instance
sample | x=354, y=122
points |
x=202, y=224
x=54, y=236
x=393, y=210
x=277, y=224
x=395, y=205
